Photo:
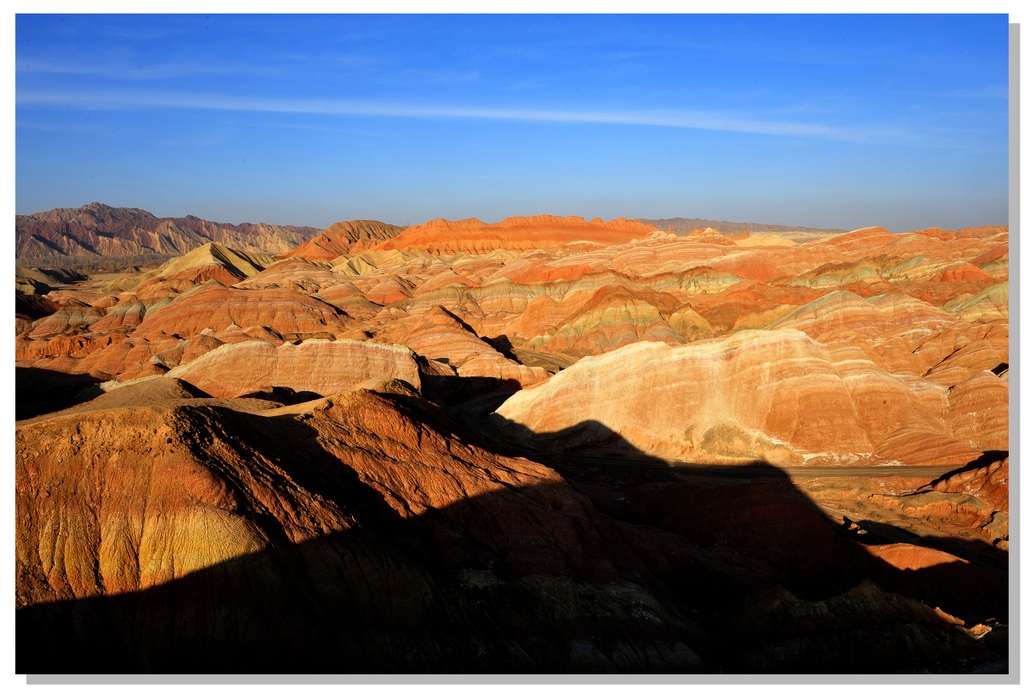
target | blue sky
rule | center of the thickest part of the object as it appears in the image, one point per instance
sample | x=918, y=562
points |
x=825, y=121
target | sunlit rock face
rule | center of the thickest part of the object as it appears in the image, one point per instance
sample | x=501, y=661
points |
x=317, y=366
x=514, y=234
x=779, y=397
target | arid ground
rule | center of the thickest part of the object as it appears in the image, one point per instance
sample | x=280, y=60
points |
x=544, y=445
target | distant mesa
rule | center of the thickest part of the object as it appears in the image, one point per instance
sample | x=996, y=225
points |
x=684, y=226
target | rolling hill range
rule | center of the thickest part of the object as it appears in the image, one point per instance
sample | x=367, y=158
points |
x=545, y=444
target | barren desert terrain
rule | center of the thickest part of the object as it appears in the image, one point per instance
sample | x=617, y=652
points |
x=547, y=444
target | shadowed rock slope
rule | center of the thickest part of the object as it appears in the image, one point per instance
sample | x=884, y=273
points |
x=364, y=532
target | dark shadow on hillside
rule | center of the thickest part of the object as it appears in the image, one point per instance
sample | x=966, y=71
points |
x=38, y=391
x=662, y=494
x=34, y=306
x=284, y=395
x=502, y=345
x=450, y=391
x=985, y=460
x=618, y=570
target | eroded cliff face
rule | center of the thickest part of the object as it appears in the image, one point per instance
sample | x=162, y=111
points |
x=546, y=444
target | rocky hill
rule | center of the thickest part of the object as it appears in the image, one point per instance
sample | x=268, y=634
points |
x=343, y=238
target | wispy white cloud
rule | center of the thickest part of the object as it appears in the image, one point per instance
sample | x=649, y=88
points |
x=689, y=119
x=333, y=130
x=165, y=70
x=125, y=70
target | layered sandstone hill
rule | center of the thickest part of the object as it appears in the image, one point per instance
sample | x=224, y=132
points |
x=514, y=234
x=32, y=281
x=439, y=335
x=930, y=304
x=208, y=262
x=343, y=238
x=162, y=531
x=316, y=366
x=239, y=463
x=779, y=397
x=393, y=522
x=215, y=307
x=96, y=229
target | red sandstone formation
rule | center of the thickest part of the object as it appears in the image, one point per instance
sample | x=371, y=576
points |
x=439, y=335
x=294, y=462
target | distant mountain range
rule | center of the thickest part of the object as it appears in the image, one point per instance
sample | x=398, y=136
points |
x=682, y=225
x=100, y=231
x=98, y=236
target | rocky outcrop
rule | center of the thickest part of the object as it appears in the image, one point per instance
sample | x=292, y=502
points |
x=440, y=335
